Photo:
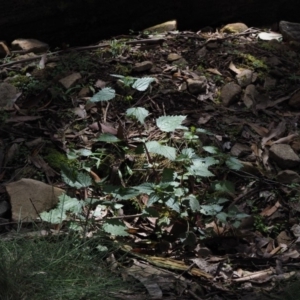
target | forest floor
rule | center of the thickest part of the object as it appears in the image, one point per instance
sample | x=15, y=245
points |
x=182, y=149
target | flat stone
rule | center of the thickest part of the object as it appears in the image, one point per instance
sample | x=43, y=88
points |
x=290, y=31
x=244, y=78
x=197, y=86
x=250, y=95
x=30, y=45
x=173, y=57
x=230, y=93
x=30, y=197
x=284, y=156
x=160, y=28
x=234, y=28
x=288, y=177
x=70, y=80
x=4, y=51
x=143, y=66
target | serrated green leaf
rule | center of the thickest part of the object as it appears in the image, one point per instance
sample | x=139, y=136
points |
x=76, y=180
x=194, y=203
x=145, y=188
x=224, y=186
x=211, y=149
x=173, y=204
x=67, y=203
x=210, y=210
x=55, y=216
x=142, y=83
x=150, y=212
x=105, y=94
x=121, y=192
x=115, y=227
x=84, y=152
x=139, y=113
x=153, y=198
x=222, y=217
x=233, y=163
x=108, y=138
x=168, y=175
x=157, y=148
x=170, y=123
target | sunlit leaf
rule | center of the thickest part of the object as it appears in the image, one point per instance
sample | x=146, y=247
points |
x=139, y=113
x=105, y=94
x=157, y=148
x=115, y=227
x=142, y=83
x=170, y=123
x=108, y=138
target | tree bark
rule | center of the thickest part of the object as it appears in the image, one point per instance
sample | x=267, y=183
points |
x=79, y=22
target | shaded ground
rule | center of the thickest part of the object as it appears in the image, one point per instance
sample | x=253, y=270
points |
x=241, y=236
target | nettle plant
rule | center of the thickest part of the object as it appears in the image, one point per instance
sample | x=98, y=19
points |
x=178, y=172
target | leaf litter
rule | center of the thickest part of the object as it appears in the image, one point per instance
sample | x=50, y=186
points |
x=243, y=239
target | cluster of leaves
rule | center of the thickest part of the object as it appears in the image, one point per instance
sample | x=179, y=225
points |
x=169, y=194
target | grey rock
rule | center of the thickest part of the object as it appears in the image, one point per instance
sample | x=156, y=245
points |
x=284, y=156
x=290, y=31
x=3, y=49
x=250, y=95
x=173, y=57
x=181, y=63
x=230, y=93
x=143, y=66
x=197, y=86
x=288, y=176
x=244, y=78
x=70, y=80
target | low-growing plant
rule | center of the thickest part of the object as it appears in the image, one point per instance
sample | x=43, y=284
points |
x=173, y=191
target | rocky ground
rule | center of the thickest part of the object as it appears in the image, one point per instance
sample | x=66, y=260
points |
x=239, y=85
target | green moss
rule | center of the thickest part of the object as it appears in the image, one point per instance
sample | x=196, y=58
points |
x=57, y=159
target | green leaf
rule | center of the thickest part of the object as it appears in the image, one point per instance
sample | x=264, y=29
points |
x=222, y=217
x=142, y=83
x=224, y=186
x=150, y=212
x=211, y=210
x=153, y=198
x=172, y=203
x=55, y=216
x=157, y=148
x=67, y=203
x=193, y=203
x=200, y=168
x=211, y=149
x=139, y=113
x=115, y=227
x=121, y=192
x=233, y=163
x=74, y=179
x=105, y=94
x=170, y=123
x=108, y=138
x=145, y=188
x=168, y=175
